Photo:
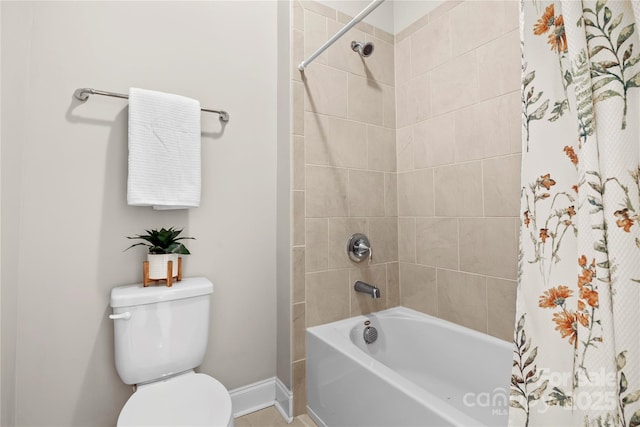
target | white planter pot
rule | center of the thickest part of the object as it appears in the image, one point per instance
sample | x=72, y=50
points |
x=158, y=265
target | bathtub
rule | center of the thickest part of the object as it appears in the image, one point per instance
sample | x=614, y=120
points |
x=421, y=371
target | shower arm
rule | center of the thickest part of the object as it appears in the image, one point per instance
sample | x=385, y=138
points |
x=359, y=17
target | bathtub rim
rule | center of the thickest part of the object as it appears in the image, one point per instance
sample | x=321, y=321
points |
x=345, y=325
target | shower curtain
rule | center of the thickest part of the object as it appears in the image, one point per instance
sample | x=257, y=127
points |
x=577, y=330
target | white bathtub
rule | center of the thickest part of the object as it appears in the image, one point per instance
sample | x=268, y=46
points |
x=421, y=371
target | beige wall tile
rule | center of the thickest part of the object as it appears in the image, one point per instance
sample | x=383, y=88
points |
x=407, y=240
x=511, y=15
x=383, y=236
x=365, y=100
x=421, y=90
x=404, y=149
x=297, y=53
x=462, y=299
x=415, y=26
x=488, y=246
x=512, y=102
x=297, y=274
x=414, y=100
x=474, y=23
x=326, y=90
x=375, y=275
x=379, y=66
x=499, y=67
x=366, y=193
x=480, y=130
x=381, y=148
x=431, y=45
x=405, y=105
x=437, y=242
x=297, y=15
x=297, y=223
x=393, y=284
x=339, y=231
x=383, y=35
x=327, y=296
x=444, y=8
x=434, y=141
x=403, y=61
x=297, y=163
x=501, y=186
x=315, y=35
x=458, y=190
x=415, y=193
x=297, y=107
x=501, y=300
x=340, y=53
x=326, y=191
x=335, y=142
x=367, y=28
x=299, y=387
x=453, y=85
x=319, y=8
x=418, y=288
x=343, y=18
x=299, y=348
x=390, y=194
x=388, y=106
x=317, y=244
x=316, y=138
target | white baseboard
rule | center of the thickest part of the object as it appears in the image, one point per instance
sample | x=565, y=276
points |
x=284, y=401
x=260, y=395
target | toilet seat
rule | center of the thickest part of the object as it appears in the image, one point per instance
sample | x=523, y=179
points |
x=185, y=400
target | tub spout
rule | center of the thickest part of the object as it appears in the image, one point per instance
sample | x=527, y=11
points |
x=367, y=289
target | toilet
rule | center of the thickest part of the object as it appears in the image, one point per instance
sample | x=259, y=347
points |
x=160, y=336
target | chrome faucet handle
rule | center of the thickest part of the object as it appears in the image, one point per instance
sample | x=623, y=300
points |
x=359, y=248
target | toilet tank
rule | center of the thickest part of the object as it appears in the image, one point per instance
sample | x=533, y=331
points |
x=165, y=332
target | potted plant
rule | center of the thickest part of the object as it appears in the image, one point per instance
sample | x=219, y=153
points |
x=164, y=246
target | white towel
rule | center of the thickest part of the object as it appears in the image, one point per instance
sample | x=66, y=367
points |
x=164, y=150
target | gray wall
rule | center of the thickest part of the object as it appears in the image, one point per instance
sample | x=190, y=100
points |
x=64, y=212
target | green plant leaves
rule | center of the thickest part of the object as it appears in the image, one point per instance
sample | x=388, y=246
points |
x=163, y=241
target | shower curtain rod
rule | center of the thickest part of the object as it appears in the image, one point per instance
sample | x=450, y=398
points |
x=359, y=17
x=82, y=94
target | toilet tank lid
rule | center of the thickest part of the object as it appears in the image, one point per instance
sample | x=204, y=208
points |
x=129, y=295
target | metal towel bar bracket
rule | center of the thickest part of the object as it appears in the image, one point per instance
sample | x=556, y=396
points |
x=82, y=94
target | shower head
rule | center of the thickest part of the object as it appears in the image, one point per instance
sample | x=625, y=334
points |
x=364, y=49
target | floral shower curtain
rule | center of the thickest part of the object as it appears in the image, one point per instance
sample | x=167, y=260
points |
x=577, y=333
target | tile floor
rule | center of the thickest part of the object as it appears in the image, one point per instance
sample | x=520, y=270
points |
x=270, y=417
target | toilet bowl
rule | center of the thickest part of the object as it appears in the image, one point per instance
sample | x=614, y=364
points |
x=185, y=400
x=160, y=336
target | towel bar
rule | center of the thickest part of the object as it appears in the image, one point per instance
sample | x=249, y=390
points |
x=82, y=94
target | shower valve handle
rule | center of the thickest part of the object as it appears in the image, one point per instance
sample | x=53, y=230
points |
x=359, y=248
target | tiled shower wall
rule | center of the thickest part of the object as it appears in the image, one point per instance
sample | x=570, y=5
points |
x=344, y=175
x=418, y=147
x=458, y=162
